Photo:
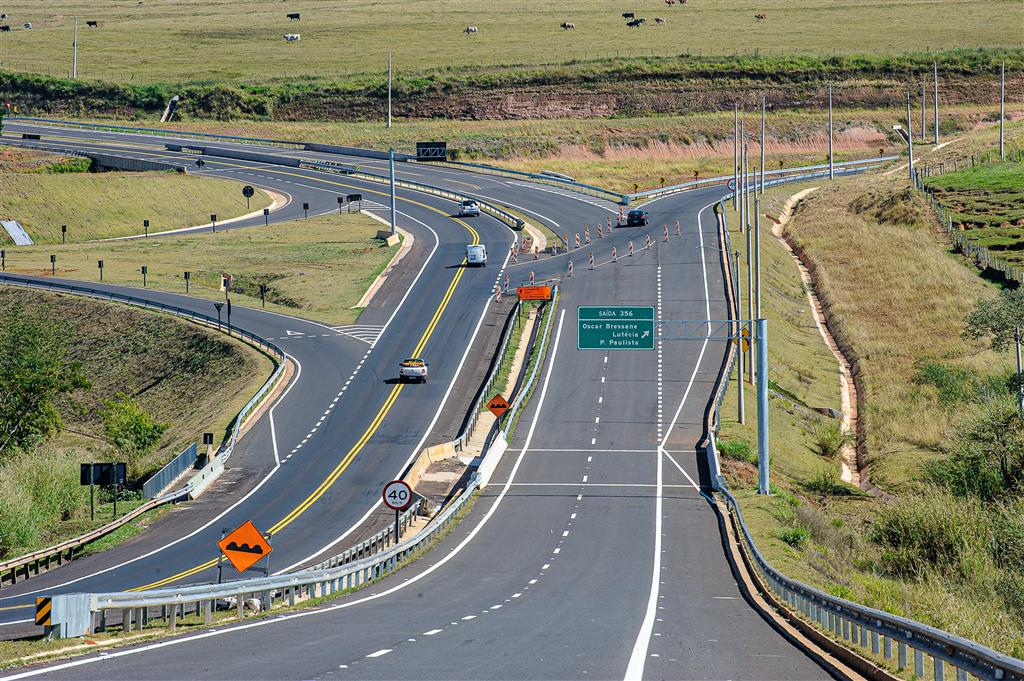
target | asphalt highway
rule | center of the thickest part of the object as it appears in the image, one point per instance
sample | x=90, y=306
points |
x=592, y=554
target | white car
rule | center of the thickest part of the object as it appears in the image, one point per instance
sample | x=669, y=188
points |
x=476, y=255
x=413, y=369
x=469, y=209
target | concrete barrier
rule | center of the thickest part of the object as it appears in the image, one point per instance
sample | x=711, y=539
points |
x=491, y=458
x=108, y=162
x=354, y=151
x=429, y=455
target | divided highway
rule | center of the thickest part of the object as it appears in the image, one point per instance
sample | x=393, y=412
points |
x=593, y=553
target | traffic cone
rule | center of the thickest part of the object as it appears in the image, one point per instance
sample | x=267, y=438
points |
x=600, y=232
x=586, y=234
x=666, y=232
x=614, y=257
x=631, y=249
x=570, y=268
x=678, y=231
x=591, y=260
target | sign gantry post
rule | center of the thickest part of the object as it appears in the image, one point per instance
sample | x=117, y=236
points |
x=735, y=330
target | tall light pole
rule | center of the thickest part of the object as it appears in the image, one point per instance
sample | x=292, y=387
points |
x=391, y=164
x=935, y=99
x=741, y=415
x=910, y=141
x=74, y=51
x=757, y=250
x=761, y=335
x=741, y=187
x=750, y=252
x=831, y=166
x=389, y=89
x=762, y=143
x=924, y=124
x=1002, y=110
x=736, y=156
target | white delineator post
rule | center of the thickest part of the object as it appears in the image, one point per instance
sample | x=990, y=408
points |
x=391, y=165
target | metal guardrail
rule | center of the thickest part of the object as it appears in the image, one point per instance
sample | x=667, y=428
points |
x=154, y=131
x=482, y=394
x=858, y=625
x=40, y=560
x=75, y=614
x=166, y=476
x=546, y=178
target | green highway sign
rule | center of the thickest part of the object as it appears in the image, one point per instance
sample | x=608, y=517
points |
x=614, y=327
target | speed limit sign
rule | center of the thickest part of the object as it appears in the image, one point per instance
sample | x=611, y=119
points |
x=397, y=495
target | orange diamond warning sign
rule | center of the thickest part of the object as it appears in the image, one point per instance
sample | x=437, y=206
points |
x=498, y=405
x=245, y=547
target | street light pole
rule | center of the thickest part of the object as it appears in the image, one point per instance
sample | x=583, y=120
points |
x=762, y=143
x=74, y=51
x=924, y=123
x=762, y=407
x=391, y=164
x=389, y=89
x=757, y=252
x=740, y=406
x=736, y=156
x=910, y=140
x=831, y=166
x=935, y=99
x=1002, y=110
x=1020, y=368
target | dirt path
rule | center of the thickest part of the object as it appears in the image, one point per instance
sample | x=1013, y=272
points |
x=849, y=468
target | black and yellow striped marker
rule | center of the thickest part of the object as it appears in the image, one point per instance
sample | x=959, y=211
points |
x=43, y=607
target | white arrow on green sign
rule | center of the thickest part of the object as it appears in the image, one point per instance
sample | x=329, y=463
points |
x=612, y=327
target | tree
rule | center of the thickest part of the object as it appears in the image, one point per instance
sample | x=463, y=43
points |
x=34, y=372
x=1000, y=321
x=130, y=427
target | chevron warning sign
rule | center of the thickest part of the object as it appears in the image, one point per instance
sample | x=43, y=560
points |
x=43, y=607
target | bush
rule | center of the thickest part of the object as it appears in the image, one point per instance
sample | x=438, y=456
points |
x=738, y=450
x=830, y=437
x=794, y=536
x=826, y=481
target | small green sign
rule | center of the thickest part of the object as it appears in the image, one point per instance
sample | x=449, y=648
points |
x=613, y=327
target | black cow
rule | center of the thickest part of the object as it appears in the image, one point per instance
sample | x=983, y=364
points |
x=636, y=22
x=628, y=15
x=294, y=16
x=5, y=29
x=3, y=17
x=92, y=24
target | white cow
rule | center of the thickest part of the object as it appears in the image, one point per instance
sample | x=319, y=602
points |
x=470, y=30
x=293, y=37
x=28, y=27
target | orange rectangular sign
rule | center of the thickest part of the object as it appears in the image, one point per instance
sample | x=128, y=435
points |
x=534, y=292
x=245, y=547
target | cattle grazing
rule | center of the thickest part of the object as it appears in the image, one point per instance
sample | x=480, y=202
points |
x=636, y=22
x=3, y=17
x=5, y=29
x=670, y=2
x=293, y=37
x=567, y=26
x=659, y=21
x=628, y=15
x=27, y=26
x=470, y=30
x=294, y=16
x=761, y=17
x=92, y=24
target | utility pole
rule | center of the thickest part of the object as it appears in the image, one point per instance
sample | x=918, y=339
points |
x=391, y=163
x=389, y=89
x=762, y=407
x=742, y=178
x=1020, y=368
x=750, y=258
x=1002, y=110
x=741, y=407
x=935, y=100
x=74, y=50
x=831, y=167
x=924, y=124
x=762, y=143
x=910, y=141
x=757, y=251
x=736, y=156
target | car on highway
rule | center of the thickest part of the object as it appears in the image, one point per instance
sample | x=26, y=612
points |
x=636, y=217
x=469, y=209
x=476, y=255
x=412, y=369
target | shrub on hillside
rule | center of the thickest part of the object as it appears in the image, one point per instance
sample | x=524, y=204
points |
x=738, y=450
x=130, y=427
x=830, y=437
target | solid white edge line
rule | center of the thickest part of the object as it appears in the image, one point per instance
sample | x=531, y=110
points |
x=341, y=606
x=635, y=669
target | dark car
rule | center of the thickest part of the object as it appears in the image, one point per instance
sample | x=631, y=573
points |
x=636, y=217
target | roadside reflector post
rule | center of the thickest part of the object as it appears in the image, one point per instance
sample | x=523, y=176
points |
x=218, y=306
x=145, y=271
x=63, y=233
x=263, y=295
x=188, y=275
x=145, y=227
x=3, y=261
x=341, y=202
x=53, y=264
x=213, y=222
x=99, y=263
x=305, y=210
x=266, y=216
x=208, y=441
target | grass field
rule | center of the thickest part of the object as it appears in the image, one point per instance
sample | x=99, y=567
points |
x=103, y=205
x=988, y=202
x=316, y=268
x=157, y=360
x=865, y=235
x=195, y=40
